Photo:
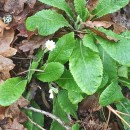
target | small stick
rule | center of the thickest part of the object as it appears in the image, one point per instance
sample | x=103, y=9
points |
x=122, y=113
x=30, y=70
x=49, y=115
x=35, y=124
x=114, y=111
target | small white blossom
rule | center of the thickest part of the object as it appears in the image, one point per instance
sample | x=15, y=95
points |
x=51, y=94
x=50, y=45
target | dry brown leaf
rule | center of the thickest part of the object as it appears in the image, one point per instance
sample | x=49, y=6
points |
x=16, y=6
x=90, y=103
x=5, y=66
x=118, y=28
x=5, y=41
x=32, y=44
x=12, y=117
x=91, y=4
x=2, y=112
x=97, y=24
x=3, y=26
x=6, y=51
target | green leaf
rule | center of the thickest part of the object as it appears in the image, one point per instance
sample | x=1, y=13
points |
x=63, y=50
x=60, y=4
x=124, y=106
x=124, y=35
x=75, y=127
x=125, y=82
x=28, y=124
x=123, y=71
x=11, y=90
x=35, y=64
x=36, y=117
x=104, y=80
x=51, y=72
x=108, y=6
x=66, y=81
x=66, y=105
x=80, y=7
x=109, y=65
x=75, y=97
x=90, y=42
x=86, y=68
x=119, y=51
x=111, y=94
x=46, y=21
x=58, y=111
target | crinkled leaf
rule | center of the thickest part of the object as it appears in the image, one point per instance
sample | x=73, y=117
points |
x=80, y=7
x=51, y=72
x=124, y=106
x=46, y=21
x=111, y=94
x=66, y=81
x=90, y=42
x=58, y=111
x=35, y=64
x=108, y=6
x=60, y=5
x=65, y=103
x=63, y=50
x=11, y=90
x=119, y=51
x=86, y=68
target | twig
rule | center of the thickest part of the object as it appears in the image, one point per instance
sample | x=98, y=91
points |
x=49, y=115
x=114, y=111
x=35, y=124
x=31, y=70
x=122, y=113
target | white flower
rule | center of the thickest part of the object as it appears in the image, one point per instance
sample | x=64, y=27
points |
x=50, y=45
x=51, y=94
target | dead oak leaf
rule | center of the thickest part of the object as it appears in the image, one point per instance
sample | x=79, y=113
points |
x=17, y=6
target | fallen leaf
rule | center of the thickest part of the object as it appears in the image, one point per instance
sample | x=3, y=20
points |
x=5, y=66
x=16, y=6
x=3, y=26
x=5, y=41
x=2, y=112
x=97, y=24
x=33, y=43
x=11, y=117
x=90, y=103
x=91, y=4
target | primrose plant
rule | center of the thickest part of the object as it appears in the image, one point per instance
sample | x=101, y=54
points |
x=85, y=60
